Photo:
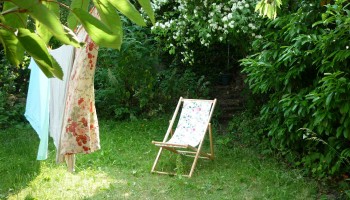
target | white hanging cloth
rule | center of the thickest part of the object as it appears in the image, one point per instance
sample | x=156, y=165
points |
x=64, y=55
x=37, y=107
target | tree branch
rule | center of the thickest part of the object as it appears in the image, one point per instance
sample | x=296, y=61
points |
x=59, y=3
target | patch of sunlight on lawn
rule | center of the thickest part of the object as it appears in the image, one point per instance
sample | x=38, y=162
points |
x=83, y=184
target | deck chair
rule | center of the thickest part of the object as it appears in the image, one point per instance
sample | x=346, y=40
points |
x=188, y=137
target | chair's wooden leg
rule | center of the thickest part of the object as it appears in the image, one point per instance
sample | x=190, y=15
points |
x=157, y=158
x=194, y=164
x=211, y=142
x=171, y=131
x=196, y=158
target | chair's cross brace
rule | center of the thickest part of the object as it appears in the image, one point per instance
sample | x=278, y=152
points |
x=191, y=153
x=169, y=173
x=171, y=149
x=165, y=144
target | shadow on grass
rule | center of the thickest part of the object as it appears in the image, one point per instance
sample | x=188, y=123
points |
x=18, y=164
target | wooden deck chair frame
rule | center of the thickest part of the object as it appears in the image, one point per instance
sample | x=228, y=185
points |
x=186, y=150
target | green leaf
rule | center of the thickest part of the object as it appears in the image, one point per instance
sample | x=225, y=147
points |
x=72, y=21
x=339, y=131
x=110, y=18
x=14, y=19
x=36, y=48
x=146, y=5
x=41, y=30
x=71, y=35
x=57, y=70
x=268, y=8
x=346, y=133
x=48, y=19
x=13, y=49
x=329, y=99
x=97, y=30
x=125, y=7
x=259, y=6
x=108, y=15
x=25, y=4
x=344, y=108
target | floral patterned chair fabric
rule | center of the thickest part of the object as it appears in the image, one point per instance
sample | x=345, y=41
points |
x=188, y=138
x=192, y=123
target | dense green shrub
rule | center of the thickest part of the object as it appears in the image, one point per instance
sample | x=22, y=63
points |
x=173, y=84
x=132, y=82
x=13, y=84
x=302, y=63
x=125, y=79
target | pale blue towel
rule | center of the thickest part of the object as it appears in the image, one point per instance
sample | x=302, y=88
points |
x=37, y=107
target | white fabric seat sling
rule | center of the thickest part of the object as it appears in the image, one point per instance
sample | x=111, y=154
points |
x=192, y=126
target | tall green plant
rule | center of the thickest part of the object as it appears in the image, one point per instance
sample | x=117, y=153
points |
x=125, y=79
x=13, y=84
x=131, y=83
x=302, y=63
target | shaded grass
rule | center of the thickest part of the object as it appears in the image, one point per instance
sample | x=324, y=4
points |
x=121, y=170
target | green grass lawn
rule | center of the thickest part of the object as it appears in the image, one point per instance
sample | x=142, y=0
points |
x=121, y=169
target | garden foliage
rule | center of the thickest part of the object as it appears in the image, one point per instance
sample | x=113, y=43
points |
x=302, y=63
x=184, y=25
x=133, y=82
x=13, y=84
x=16, y=37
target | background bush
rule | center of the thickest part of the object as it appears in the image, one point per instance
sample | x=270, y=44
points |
x=134, y=82
x=14, y=86
x=207, y=36
x=302, y=64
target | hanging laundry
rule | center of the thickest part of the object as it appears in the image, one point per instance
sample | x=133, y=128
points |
x=80, y=133
x=37, y=107
x=64, y=55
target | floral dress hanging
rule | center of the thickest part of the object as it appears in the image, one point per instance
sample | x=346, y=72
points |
x=80, y=132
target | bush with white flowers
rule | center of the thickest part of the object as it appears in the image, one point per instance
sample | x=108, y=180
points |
x=181, y=23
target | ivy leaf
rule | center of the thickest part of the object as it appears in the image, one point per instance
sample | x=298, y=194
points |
x=36, y=48
x=97, y=30
x=146, y=5
x=13, y=49
x=125, y=7
x=72, y=21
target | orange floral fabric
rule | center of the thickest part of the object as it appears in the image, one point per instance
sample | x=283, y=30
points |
x=80, y=133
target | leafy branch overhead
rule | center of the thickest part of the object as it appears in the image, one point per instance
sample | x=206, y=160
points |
x=268, y=8
x=16, y=37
